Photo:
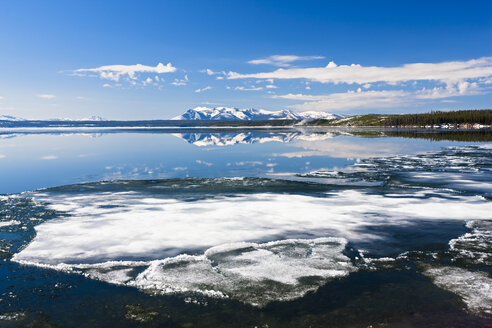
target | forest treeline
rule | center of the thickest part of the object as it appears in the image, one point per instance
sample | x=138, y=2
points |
x=437, y=118
x=464, y=118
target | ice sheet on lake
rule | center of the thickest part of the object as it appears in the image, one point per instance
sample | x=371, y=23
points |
x=475, y=247
x=474, y=287
x=9, y=223
x=130, y=225
x=250, y=272
x=464, y=169
x=111, y=236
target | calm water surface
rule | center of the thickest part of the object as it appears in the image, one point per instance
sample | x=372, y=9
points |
x=244, y=228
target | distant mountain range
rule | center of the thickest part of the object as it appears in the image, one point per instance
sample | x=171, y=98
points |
x=212, y=114
x=10, y=118
x=250, y=114
x=18, y=119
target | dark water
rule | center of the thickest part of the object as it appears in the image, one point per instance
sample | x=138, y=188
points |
x=281, y=228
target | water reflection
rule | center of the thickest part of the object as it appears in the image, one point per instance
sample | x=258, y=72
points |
x=203, y=139
x=46, y=158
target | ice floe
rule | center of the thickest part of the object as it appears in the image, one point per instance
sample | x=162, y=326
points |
x=250, y=272
x=474, y=287
x=474, y=247
x=135, y=226
x=463, y=169
x=9, y=223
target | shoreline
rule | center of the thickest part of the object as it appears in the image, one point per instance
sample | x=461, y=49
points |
x=442, y=127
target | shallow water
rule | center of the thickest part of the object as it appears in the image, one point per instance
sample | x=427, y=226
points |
x=284, y=227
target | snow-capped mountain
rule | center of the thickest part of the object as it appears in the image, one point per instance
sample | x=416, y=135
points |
x=10, y=118
x=90, y=118
x=249, y=114
x=318, y=115
x=93, y=118
x=17, y=119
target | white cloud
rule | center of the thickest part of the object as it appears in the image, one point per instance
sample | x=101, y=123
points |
x=199, y=161
x=220, y=75
x=248, y=89
x=2, y=156
x=49, y=157
x=210, y=72
x=1, y=97
x=346, y=100
x=447, y=72
x=46, y=96
x=147, y=81
x=252, y=163
x=179, y=82
x=203, y=89
x=82, y=98
x=461, y=88
x=115, y=72
x=282, y=60
x=271, y=86
x=378, y=99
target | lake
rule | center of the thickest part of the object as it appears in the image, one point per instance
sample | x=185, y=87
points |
x=258, y=227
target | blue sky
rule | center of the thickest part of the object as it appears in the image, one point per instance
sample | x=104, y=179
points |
x=77, y=58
